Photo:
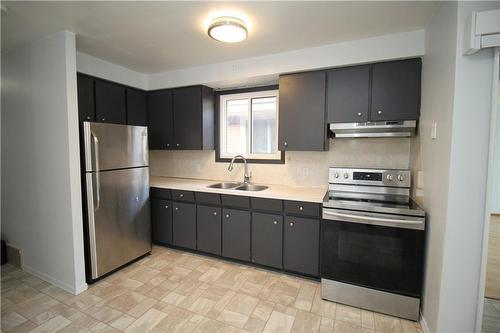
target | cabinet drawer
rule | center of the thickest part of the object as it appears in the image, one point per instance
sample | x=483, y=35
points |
x=272, y=205
x=235, y=201
x=163, y=193
x=179, y=195
x=207, y=198
x=302, y=208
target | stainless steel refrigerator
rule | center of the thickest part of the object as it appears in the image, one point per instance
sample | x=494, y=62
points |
x=116, y=185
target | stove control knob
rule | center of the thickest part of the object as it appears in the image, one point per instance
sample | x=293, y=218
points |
x=401, y=178
x=336, y=175
x=346, y=175
x=390, y=178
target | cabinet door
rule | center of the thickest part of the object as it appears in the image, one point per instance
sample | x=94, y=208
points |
x=161, y=220
x=184, y=225
x=396, y=90
x=267, y=240
x=187, y=118
x=236, y=234
x=209, y=229
x=86, y=106
x=136, y=107
x=160, y=119
x=302, y=111
x=348, y=94
x=110, y=102
x=301, y=245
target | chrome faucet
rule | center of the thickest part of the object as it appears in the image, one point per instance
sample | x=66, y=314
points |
x=247, y=176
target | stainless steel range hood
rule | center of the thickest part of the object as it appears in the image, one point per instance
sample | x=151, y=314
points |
x=381, y=129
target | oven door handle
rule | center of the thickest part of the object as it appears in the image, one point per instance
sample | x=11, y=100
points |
x=383, y=221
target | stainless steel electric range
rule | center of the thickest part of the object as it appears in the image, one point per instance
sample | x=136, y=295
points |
x=372, y=242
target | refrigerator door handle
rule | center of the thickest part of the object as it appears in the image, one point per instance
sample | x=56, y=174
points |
x=91, y=224
x=97, y=177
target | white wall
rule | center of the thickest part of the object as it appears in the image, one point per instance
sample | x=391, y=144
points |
x=41, y=195
x=457, y=95
x=438, y=79
x=100, y=68
x=467, y=195
x=264, y=69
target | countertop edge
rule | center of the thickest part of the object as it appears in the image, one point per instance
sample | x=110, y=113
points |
x=273, y=192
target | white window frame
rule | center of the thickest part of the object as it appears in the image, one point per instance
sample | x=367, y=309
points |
x=222, y=123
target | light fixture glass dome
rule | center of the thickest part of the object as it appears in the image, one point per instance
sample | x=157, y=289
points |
x=228, y=29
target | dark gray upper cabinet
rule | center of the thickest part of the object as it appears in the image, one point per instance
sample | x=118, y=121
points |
x=236, y=234
x=301, y=245
x=302, y=111
x=348, y=94
x=209, y=229
x=110, y=102
x=136, y=107
x=161, y=220
x=86, y=102
x=267, y=239
x=184, y=225
x=160, y=119
x=396, y=90
x=193, y=118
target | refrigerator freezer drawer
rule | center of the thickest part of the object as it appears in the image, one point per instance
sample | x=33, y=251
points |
x=118, y=218
x=112, y=146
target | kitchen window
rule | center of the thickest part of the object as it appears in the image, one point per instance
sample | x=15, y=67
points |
x=248, y=126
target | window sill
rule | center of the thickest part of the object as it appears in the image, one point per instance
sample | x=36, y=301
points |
x=252, y=160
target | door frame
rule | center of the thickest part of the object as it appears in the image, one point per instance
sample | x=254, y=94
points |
x=495, y=112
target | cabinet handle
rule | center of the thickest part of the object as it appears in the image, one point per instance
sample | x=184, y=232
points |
x=177, y=145
x=103, y=119
x=176, y=208
x=88, y=117
x=285, y=143
x=168, y=145
x=291, y=224
x=359, y=114
x=215, y=213
x=166, y=206
x=181, y=195
x=379, y=111
x=301, y=208
x=227, y=216
x=275, y=222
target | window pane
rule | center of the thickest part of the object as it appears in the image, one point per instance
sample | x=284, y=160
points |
x=264, y=125
x=236, y=126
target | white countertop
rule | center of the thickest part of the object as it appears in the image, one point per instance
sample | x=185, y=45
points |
x=283, y=192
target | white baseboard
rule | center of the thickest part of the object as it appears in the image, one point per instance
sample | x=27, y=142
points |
x=64, y=286
x=423, y=324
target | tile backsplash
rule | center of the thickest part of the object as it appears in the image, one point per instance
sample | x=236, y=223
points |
x=300, y=168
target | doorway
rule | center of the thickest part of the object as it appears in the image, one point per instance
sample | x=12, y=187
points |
x=491, y=305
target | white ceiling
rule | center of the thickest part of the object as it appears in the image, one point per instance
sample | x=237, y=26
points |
x=152, y=37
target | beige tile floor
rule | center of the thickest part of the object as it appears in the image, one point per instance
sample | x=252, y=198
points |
x=491, y=316
x=175, y=291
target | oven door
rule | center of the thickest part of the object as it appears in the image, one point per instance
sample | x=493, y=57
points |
x=372, y=250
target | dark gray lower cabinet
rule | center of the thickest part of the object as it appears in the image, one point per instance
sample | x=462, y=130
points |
x=209, y=229
x=184, y=225
x=161, y=220
x=236, y=234
x=301, y=245
x=267, y=239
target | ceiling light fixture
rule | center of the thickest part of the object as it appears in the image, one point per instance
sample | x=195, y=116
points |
x=228, y=29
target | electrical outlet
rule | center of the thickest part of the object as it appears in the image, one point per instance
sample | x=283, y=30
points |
x=305, y=172
x=420, y=179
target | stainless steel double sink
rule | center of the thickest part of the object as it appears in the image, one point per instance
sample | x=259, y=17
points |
x=238, y=186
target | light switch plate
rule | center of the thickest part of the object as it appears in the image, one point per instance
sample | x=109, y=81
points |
x=434, y=129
